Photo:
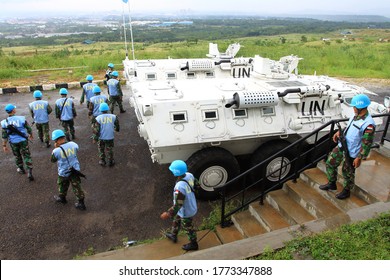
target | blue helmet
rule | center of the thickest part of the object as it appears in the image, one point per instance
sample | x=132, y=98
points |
x=110, y=65
x=178, y=168
x=115, y=73
x=96, y=89
x=63, y=91
x=58, y=133
x=37, y=94
x=89, y=78
x=360, y=101
x=9, y=108
x=103, y=107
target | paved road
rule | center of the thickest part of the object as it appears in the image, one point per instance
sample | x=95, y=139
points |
x=122, y=202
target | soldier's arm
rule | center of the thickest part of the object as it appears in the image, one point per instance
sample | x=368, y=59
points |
x=49, y=109
x=32, y=112
x=96, y=131
x=367, y=140
x=120, y=93
x=116, y=125
x=4, y=136
x=177, y=204
x=53, y=158
x=74, y=111
x=82, y=97
x=28, y=128
x=90, y=109
x=57, y=111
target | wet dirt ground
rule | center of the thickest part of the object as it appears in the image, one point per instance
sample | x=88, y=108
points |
x=124, y=201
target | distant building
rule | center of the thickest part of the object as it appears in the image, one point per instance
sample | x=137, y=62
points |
x=88, y=42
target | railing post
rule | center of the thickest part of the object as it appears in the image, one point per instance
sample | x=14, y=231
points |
x=223, y=222
x=385, y=130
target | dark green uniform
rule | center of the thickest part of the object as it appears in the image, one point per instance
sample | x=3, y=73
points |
x=336, y=157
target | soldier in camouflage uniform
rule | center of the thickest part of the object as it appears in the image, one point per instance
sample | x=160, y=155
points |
x=184, y=205
x=103, y=133
x=16, y=131
x=65, y=154
x=109, y=71
x=94, y=104
x=66, y=112
x=115, y=92
x=359, y=136
x=87, y=90
x=40, y=111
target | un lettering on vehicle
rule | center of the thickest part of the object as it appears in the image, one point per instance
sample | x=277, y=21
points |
x=313, y=107
x=241, y=72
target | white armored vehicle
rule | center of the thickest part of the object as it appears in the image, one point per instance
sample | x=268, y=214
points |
x=207, y=111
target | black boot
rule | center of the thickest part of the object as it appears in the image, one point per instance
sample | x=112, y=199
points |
x=48, y=144
x=111, y=163
x=60, y=198
x=193, y=245
x=343, y=194
x=329, y=186
x=171, y=236
x=123, y=111
x=102, y=162
x=73, y=136
x=20, y=170
x=80, y=205
x=29, y=175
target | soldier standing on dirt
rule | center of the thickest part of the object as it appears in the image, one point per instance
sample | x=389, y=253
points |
x=359, y=136
x=109, y=71
x=103, y=131
x=40, y=111
x=95, y=102
x=65, y=154
x=87, y=90
x=184, y=205
x=115, y=92
x=66, y=112
x=15, y=130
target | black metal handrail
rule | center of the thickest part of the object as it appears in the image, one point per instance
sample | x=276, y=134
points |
x=306, y=157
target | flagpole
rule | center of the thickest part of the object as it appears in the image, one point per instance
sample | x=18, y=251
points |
x=131, y=32
x=124, y=30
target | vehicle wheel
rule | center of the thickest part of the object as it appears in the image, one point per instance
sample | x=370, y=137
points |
x=265, y=151
x=213, y=167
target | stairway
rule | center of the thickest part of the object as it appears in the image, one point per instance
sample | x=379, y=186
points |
x=296, y=207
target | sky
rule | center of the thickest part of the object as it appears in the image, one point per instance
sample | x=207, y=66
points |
x=14, y=8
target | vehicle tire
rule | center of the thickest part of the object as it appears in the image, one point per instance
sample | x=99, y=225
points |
x=213, y=167
x=264, y=152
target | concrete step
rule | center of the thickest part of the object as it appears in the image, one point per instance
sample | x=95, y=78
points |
x=158, y=250
x=288, y=208
x=316, y=177
x=247, y=225
x=373, y=176
x=268, y=217
x=370, y=178
x=228, y=234
x=311, y=199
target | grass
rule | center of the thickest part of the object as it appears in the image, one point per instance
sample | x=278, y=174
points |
x=360, y=55
x=368, y=240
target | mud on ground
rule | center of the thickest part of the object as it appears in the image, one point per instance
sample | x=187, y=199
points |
x=123, y=202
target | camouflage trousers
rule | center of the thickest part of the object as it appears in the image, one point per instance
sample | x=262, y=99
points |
x=68, y=127
x=186, y=223
x=106, y=145
x=113, y=101
x=22, y=154
x=335, y=158
x=43, y=131
x=63, y=186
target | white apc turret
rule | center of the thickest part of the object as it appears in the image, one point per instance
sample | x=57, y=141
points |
x=208, y=111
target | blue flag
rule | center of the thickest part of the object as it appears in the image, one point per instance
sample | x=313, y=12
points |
x=125, y=1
